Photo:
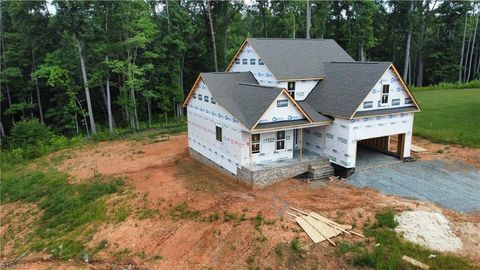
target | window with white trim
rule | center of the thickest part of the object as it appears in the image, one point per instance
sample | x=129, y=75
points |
x=368, y=104
x=408, y=101
x=206, y=99
x=237, y=61
x=245, y=61
x=260, y=62
x=291, y=89
x=194, y=96
x=212, y=100
x=253, y=61
x=395, y=102
x=200, y=97
x=255, y=143
x=280, y=140
x=218, y=133
x=385, y=92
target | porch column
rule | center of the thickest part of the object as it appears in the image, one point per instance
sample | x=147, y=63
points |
x=250, y=149
x=301, y=145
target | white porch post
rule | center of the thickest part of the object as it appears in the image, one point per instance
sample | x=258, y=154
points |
x=250, y=149
x=301, y=145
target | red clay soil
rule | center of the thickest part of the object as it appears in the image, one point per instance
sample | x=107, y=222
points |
x=164, y=171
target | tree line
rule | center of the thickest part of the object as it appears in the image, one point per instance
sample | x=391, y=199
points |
x=79, y=66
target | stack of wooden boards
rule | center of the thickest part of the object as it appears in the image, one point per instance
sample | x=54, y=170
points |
x=320, y=228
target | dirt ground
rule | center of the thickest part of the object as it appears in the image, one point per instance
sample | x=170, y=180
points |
x=163, y=171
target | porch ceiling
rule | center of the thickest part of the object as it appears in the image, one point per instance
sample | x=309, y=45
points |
x=294, y=124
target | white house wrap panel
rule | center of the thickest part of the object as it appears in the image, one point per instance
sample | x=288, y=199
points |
x=314, y=140
x=203, y=118
x=302, y=88
x=249, y=60
x=282, y=109
x=397, y=96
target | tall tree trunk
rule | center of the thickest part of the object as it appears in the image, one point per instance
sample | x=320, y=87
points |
x=34, y=65
x=149, y=109
x=168, y=15
x=107, y=80
x=9, y=99
x=309, y=18
x=87, y=90
x=473, y=49
x=463, y=49
x=362, y=53
x=466, y=57
x=2, y=131
x=212, y=33
x=407, y=47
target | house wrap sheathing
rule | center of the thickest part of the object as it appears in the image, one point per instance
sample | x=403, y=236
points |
x=289, y=103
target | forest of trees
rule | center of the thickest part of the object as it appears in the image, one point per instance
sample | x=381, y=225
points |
x=84, y=66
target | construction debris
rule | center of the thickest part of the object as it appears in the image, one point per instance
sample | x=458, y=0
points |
x=412, y=261
x=320, y=228
x=417, y=149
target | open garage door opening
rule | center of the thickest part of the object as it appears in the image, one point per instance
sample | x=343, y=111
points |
x=380, y=150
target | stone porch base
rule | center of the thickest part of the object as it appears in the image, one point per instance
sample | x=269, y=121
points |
x=257, y=178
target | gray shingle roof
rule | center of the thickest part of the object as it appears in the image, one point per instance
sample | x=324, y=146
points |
x=386, y=111
x=241, y=95
x=298, y=58
x=281, y=124
x=345, y=86
x=312, y=113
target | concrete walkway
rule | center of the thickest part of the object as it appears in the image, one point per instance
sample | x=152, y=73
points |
x=453, y=185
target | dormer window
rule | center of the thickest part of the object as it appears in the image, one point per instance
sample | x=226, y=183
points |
x=245, y=61
x=291, y=89
x=385, y=92
x=252, y=61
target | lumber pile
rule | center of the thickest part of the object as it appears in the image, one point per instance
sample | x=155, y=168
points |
x=320, y=228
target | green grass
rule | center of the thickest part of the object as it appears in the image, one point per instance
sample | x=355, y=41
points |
x=449, y=116
x=389, y=249
x=68, y=210
x=448, y=86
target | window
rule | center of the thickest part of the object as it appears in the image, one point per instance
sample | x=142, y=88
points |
x=212, y=100
x=252, y=61
x=395, y=102
x=194, y=96
x=385, y=91
x=280, y=140
x=244, y=61
x=205, y=98
x=282, y=103
x=368, y=104
x=237, y=61
x=199, y=97
x=291, y=88
x=218, y=133
x=255, y=143
x=260, y=62
x=408, y=101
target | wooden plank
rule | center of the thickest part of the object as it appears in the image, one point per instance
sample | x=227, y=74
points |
x=326, y=230
x=418, y=149
x=322, y=229
x=412, y=261
x=309, y=230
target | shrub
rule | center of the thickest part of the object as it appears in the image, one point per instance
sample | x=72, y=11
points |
x=29, y=133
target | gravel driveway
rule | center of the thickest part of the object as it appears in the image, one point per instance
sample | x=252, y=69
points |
x=454, y=185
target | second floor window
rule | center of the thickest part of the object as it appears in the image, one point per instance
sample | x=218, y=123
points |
x=385, y=92
x=260, y=62
x=252, y=61
x=205, y=98
x=291, y=88
x=408, y=101
x=245, y=61
x=200, y=97
x=237, y=61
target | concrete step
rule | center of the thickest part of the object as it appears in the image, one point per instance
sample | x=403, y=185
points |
x=321, y=171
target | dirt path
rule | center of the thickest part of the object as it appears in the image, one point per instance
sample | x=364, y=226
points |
x=259, y=225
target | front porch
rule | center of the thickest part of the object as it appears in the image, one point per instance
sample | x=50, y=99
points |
x=268, y=172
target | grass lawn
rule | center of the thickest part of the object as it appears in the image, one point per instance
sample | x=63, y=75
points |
x=449, y=116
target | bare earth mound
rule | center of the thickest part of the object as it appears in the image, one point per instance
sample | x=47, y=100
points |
x=240, y=228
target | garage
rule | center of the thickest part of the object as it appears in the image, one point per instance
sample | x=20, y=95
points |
x=380, y=151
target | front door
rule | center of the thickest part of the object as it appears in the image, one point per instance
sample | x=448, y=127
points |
x=295, y=139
